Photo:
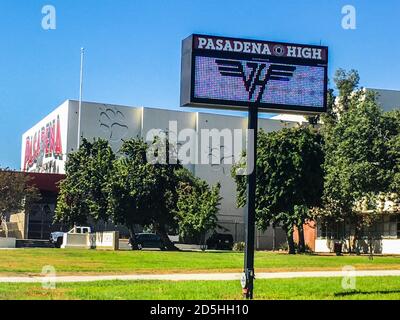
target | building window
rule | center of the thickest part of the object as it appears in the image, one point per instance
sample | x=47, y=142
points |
x=393, y=227
x=398, y=229
x=387, y=227
x=330, y=231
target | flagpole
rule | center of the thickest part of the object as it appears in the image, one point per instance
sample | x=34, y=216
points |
x=80, y=99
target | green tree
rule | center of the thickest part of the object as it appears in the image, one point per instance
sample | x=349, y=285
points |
x=143, y=191
x=330, y=115
x=16, y=192
x=83, y=193
x=197, y=207
x=392, y=119
x=346, y=83
x=165, y=171
x=289, y=178
x=360, y=158
x=131, y=186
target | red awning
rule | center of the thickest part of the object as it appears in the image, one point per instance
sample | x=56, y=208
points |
x=46, y=181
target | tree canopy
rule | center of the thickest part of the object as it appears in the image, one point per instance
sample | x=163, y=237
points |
x=197, y=207
x=361, y=163
x=83, y=194
x=289, y=178
x=16, y=192
x=361, y=155
x=133, y=189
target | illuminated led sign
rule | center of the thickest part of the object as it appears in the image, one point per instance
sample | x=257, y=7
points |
x=228, y=73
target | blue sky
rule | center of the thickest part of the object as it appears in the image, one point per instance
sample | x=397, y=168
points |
x=133, y=49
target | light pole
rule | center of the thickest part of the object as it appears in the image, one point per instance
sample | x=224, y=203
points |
x=80, y=99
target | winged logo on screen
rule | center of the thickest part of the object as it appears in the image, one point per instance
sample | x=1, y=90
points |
x=277, y=72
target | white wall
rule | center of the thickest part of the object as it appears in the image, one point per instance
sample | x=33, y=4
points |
x=322, y=246
x=222, y=172
x=111, y=122
x=8, y=243
x=270, y=125
x=391, y=246
x=115, y=123
x=159, y=119
x=388, y=99
x=75, y=240
x=98, y=240
x=104, y=240
x=385, y=246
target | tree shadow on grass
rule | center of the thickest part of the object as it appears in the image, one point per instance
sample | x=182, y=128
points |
x=224, y=251
x=212, y=251
x=356, y=292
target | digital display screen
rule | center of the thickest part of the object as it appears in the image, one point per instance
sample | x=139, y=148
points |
x=231, y=73
x=263, y=82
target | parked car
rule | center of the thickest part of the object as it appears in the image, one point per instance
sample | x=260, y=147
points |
x=147, y=240
x=57, y=237
x=219, y=241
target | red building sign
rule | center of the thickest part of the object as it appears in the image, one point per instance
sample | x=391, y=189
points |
x=45, y=143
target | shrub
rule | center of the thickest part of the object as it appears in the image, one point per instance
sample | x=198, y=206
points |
x=284, y=247
x=238, y=246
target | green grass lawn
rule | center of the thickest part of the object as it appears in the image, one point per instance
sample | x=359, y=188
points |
x=300, y=289
x=31, y=261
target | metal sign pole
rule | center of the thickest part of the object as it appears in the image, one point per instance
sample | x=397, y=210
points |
x=251, y=202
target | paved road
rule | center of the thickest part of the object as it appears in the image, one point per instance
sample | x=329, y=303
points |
x=203, y=276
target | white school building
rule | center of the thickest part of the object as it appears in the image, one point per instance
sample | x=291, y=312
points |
x=46, y=145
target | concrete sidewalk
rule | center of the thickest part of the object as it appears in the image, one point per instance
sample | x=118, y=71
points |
x=204, y=276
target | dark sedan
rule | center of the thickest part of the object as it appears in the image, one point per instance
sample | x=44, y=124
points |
x=147, y=240
x=219, y=241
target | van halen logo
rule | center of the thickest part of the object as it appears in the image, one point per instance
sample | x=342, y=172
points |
x=45, y=143
x=277, y=72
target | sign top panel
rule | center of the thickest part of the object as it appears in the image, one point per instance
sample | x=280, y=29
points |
x=257, y=47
